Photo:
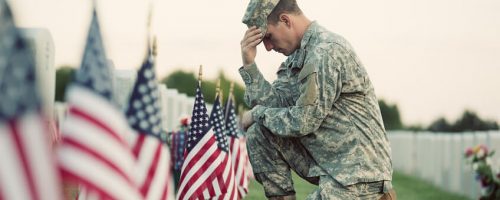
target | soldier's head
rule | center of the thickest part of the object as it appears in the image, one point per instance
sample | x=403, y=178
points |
x=281, y=21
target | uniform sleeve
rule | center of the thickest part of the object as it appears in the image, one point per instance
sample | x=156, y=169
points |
x=320, y=87
x=261, y=92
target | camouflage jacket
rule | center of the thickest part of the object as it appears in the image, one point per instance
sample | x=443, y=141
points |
x=323, y=96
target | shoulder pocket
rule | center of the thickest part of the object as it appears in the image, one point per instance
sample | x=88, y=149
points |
x=306, y=71
x=308, y=86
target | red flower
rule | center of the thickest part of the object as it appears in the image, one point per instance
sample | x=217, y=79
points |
x=185, y=121
x=469, y=152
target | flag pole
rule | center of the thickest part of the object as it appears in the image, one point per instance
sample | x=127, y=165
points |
x=221, y=98
x=155, y=47
x=148, y=29
x=231, y=90
x=230, y=96
x=200, y=74
x=217, y=88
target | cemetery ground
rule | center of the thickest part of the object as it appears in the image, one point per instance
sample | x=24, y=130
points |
x=407, y=188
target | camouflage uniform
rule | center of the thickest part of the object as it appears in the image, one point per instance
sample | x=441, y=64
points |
x=320, y=117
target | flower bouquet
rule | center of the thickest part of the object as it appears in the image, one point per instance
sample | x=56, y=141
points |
x=479, y=157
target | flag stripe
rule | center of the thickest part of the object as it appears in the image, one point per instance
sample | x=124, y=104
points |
x=206, y=158
x=203, y=180
x=160, y=178
x=86, y=170
x=1, y=193
x=12, y=181
x=87, y=194
x=25, y=164
x=32, y=134
x=77, y=112
x=151, y=170
x=138, y=145
x=193, y=156
x=98, y=107
x=168, y=192
x=209, y=162
x=146, y=156
x=96, y=155
x=200, y=161
x=95, y=138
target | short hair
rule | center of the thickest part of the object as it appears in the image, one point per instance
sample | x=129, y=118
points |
x=284, y=6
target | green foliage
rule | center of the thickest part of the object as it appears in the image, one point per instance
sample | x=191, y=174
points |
x=414, y=128
x=469, y=121
x=390, y=115
x=440, y=125
x=64, y=75
x=185, y=82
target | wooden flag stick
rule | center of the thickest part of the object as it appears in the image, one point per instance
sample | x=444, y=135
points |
x=217, y=87
x=155, y=47
x=200, y=74
x=231, y=88
x=221, y=94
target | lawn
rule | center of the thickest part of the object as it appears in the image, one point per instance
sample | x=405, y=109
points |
x=407, y=188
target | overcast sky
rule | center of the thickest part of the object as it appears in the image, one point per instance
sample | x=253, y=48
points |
x=432, y=57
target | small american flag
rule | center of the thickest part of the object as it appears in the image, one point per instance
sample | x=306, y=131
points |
x=93, y=151
x=178, y=147
x=154, y=170
x=207, y=172
x=238, y=149
x=27, y=169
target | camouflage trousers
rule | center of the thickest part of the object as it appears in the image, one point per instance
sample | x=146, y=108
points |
x=274, y=157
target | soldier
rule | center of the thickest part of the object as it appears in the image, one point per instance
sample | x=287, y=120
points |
x=320, y=117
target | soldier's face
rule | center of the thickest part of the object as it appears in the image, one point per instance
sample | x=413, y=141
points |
x=279, y=38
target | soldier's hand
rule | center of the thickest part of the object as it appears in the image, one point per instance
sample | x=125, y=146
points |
x=249, y=43
x=246, y=120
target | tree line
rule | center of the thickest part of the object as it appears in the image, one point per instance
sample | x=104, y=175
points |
x=185, y=82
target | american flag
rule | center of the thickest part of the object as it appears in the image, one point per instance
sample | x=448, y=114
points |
x=154, y=170
x=238, y=149
x=206, y=172
x=27, y=169
x=178, y=147
x=93, y=151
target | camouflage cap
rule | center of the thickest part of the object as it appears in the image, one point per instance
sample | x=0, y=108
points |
x=257, y=12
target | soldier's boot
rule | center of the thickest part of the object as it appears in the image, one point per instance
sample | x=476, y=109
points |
x=289, y=197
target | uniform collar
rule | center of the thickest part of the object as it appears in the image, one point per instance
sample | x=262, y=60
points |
x=308, y=34
x=298, y=57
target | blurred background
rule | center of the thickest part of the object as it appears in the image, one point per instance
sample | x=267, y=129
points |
x=434, y=64
x=433, y=59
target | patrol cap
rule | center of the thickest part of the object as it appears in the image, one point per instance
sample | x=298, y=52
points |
x=257, y=13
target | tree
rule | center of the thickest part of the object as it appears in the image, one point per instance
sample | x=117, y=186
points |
x=185, y=82
x=440, y=125
x=469, y=121
x=390, y=115
x=64, y=76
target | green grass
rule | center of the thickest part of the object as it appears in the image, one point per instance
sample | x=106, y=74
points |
x=407, y=188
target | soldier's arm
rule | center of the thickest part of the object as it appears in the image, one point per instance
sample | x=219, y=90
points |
x=320, y=87
x=261, y=92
